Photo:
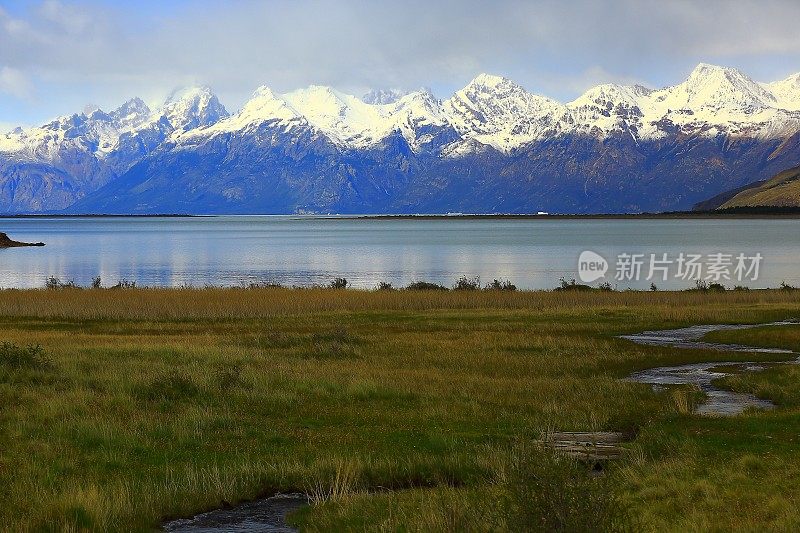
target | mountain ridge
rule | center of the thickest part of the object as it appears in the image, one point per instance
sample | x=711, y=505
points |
x=492, y=135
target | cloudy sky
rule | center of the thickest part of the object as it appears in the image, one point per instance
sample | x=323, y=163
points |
x=57, y=56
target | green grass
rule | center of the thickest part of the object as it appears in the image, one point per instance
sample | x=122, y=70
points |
x=778, y=383
x=786, y=336
x=395, y=410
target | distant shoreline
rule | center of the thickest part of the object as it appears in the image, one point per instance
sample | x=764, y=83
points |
x=611, y=216
x=45, y=215
x=733, y=213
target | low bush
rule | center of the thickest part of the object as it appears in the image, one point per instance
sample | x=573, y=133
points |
x=124, y=284
x=55, y=283
x=467, y=284
x=702, y=285
x=338, y=283
x=553, y=492
x=498, y=285
x=426, y=286
x=30, y=357
x=572, y=285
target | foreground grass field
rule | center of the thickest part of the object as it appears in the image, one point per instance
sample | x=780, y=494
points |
x=394, y=410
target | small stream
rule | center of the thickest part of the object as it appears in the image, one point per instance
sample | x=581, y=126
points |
x=718, y=402
x=267, y=515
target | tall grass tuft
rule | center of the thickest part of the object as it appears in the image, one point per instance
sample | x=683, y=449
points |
x=684, y=399
x=339, y=484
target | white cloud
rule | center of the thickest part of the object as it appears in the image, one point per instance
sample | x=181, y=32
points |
x=15, y=83
x=578, y=82
x=72, y=20
x=6, y=127
x=108, y=51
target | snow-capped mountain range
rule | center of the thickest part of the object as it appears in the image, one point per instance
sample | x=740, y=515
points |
x=491, y=146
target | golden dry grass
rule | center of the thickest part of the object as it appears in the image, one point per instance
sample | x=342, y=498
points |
x=234, y=303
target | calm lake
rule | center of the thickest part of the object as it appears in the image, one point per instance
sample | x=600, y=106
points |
x=236, y=250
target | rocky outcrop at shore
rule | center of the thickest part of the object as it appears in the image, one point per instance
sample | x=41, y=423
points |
x=7, y=242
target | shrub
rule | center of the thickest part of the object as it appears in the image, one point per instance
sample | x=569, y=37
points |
x=498, y=285
x=572, y=285
x=54, y=283
x=338, y=283
x=704, y=286
x=426, y=286
x=96, y=282
x=786, y=287
x=554, y=492
x=384, y=286
x=124, y=284
x=31, y=357
x=467, y=284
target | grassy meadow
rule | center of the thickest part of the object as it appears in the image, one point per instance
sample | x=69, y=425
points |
x=393, y=410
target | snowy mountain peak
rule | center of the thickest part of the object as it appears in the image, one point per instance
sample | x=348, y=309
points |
x=134, y=105
x=787, y=92
x=188, y=93
x=383, y=96
x=318, y=100
x=423, y=95
x=131, y=114
x=716, y=88
x=490, y=111
x=334, y=150
x=610, y=92
x=490, y=81
x=610, y=107
x=791, y=81
x=191, y=108
x=497, y=111
x=705, y=75
x=264, y=107
x=345, y=119
x=706, y=69
x=262, y=93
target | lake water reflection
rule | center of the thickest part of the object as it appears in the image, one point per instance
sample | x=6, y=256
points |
x=236, y=250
